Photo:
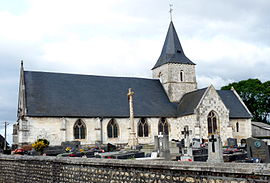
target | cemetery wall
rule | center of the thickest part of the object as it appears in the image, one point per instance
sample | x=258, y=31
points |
x=15, y=169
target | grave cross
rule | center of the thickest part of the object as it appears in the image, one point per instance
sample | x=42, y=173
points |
x=213, y=140
x=186, y=132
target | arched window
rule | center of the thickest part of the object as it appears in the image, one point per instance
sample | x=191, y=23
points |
x=79, y=129
x=237, y=127
x=143, y=128
x=112, y=129
x=212, y=123
x=181, y=75
x=163, y=126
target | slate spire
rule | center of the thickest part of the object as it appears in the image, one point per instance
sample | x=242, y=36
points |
x=172, y=51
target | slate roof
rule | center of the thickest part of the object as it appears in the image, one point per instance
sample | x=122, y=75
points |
x=189, y=102
x=261, y=125
x=231, y=101
x=172, y=51
x=70, y=95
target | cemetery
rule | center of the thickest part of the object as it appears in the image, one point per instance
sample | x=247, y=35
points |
x=251, y=150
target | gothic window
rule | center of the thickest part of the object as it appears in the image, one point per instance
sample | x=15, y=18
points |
x=112, y=129
x=143, y=128
x=212, y=123
x=237, y=127
x=163, y=126
x=79, y=129
x=181, y=75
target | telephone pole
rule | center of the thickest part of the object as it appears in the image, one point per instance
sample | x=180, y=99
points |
x=5, y=142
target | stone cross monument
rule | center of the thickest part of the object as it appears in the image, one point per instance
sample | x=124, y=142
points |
x=215, y=153
x=132, y=141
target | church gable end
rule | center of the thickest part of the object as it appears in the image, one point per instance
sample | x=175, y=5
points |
x=212, y=105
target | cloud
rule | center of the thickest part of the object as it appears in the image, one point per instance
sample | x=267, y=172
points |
x=228, y=40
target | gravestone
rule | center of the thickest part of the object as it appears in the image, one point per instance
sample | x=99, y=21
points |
x=232, y=142
x=187, y=150
x=162, y=146
x=215, y=152
x=258, y=149
x=74, y=145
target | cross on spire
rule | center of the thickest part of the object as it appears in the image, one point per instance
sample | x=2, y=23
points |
x=171, y=5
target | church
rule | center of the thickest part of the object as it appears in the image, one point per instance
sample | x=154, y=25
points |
x=95, y=109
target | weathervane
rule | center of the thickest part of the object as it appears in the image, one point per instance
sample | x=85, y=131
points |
x=171, y=5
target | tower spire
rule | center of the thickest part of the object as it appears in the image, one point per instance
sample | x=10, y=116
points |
x=172, y=51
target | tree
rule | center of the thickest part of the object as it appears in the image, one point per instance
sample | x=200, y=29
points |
x=256, y=96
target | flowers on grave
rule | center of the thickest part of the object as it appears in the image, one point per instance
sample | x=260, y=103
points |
x=68, y=149
x=40, y=145
x=81, y=150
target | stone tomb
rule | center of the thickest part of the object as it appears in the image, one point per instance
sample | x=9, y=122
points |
x=258, y=149
x=215, y=152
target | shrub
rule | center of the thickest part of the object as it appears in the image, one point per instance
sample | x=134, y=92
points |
x=40, y=145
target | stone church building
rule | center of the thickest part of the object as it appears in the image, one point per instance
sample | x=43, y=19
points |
x=66, y=107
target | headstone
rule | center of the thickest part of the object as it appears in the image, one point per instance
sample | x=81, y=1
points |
x=196, y=144
x=111, y=147
x=232, y=142
x=215, y=152
x=74, y=145
x=162, y=146
x=258, y=149
x=243, y=142
x=187, y=149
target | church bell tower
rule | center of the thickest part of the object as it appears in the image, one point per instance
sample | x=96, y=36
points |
x=175, y=71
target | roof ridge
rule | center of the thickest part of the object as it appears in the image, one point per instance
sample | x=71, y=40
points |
x=45, y=72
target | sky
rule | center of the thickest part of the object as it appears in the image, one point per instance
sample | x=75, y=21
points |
x=228, y=40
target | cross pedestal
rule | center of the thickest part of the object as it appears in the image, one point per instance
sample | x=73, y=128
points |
x=132, y=140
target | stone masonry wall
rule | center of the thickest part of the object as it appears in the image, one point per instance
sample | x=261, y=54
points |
x=24, y=169
x=169, y=75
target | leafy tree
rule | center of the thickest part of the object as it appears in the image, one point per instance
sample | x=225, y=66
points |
x=256, y=96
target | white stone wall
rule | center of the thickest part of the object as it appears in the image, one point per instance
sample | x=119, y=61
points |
x=57, y=130
x=169, y=75
x=212, y=102
x=245, y=130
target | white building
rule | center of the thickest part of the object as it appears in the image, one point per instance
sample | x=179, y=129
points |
x=65, y=107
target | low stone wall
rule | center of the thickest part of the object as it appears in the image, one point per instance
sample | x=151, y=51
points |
x=14, y=169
